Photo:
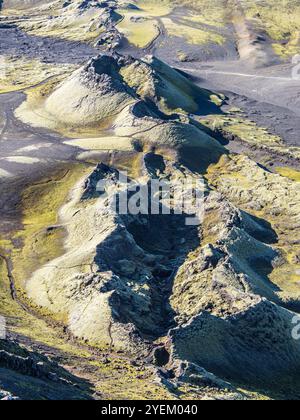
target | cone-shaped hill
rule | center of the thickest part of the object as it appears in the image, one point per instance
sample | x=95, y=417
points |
x=105, y=86
x=169, y=89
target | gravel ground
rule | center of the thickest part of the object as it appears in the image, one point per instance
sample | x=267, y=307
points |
x=15, y=42
x=268, y=96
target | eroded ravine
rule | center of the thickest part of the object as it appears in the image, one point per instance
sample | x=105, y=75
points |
x=145, y=286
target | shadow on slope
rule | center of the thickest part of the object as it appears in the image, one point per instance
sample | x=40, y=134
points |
x=152, y=248
x=31, y=376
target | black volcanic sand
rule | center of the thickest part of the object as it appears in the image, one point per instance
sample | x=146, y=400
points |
x=277, y=120
x=168, y=48
x=50, y=151
x=268, y=96
x=15, y=42
x=16, y=135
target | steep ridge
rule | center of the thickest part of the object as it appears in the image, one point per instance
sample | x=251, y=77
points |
x=104, y=86
x=123, y=285
x=121, y=260
x=209, y=308
x=72, y=20
x=152, y=79
x=209, y=293
x=26, y=373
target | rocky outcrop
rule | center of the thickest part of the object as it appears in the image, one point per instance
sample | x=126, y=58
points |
x=108, y=85
x=23, y=373
x=187, y=372
x=26, y=366
x=90, y=95
x=171, y=91
x=254, y=345
x=78, y=20
x=112, y=289
x=18, y=359
x=135, y=277
x=206, y=301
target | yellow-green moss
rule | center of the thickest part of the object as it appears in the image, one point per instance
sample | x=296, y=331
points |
x=192, y=35
x=249, y=132
x=281, y=21
x=139, y=33
x=280, y=18
x=213, y=13
x=244, y=129
x=21, y=73
x=289, y=173
x=232, y=177
x=39, y=206
x=24, y=323
x=155, y=7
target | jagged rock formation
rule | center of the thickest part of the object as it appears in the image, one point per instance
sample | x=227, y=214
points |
x=130, y=266
x=254, y=345
x=154, y=80
x=125, y=269
x=89, y=95
x=274, y=199
x=126, y=280
x=73, y=20
x=210, y=307
x=106, y=85
x=23, y=372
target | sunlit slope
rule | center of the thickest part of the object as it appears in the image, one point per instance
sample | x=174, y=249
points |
x=96, y=93
x=281, y=20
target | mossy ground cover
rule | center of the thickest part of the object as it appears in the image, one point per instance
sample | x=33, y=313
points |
x=78, y=30
x=156, y=7
x=140, y=32
x=41, y=238
x=238, y=186
x=237, y=125
x=22, y=322
x=114, y=378
x=211, y=13
x=244, y=129
x=192, y=35
x=56, y=21
x=120, y=380
x=281, y=20
x=289, y=173
x=141, y=26
x=21, y=73
x=73, y=32
x=172, y=92
x=34, y=111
